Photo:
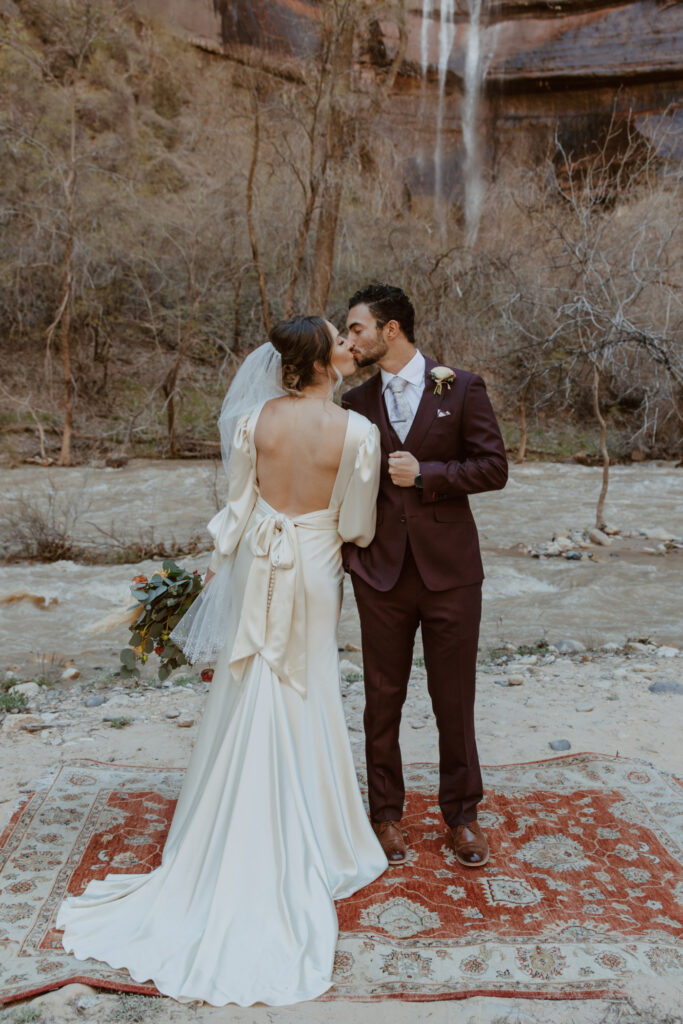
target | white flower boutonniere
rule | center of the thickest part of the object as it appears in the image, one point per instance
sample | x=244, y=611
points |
x=442, y=375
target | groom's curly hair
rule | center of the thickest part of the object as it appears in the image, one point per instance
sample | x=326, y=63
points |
x=387, y=302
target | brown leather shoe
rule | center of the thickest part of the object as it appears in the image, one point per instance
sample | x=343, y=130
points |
x=469, y=845
x=391, y=838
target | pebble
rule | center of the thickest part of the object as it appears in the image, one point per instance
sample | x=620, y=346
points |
x=663, y=652
x=573, y=556
x=19, y=723
x=95, y=701
x=71, y=672
x=515, y=680
x=172, y=714
x=656, y=533
x=501, y=682
x=185, y=722
x=598, y=537
x=560, y=745
x=352, y=648
x=568, y=647
x=584, y=707
x=28, y=689
x=665, y=686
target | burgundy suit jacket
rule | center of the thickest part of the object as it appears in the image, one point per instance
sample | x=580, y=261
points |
x=457, y=441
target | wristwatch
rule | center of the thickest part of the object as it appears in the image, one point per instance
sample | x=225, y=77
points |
x=418, y=481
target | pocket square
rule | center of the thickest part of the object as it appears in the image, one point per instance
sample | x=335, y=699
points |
x=442, y=412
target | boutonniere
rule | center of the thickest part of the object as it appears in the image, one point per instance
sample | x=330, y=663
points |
x=442, y=375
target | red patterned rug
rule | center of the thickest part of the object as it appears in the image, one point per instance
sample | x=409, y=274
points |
x=583, y=891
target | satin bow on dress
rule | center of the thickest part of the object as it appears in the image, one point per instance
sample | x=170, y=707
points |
x=272, y=621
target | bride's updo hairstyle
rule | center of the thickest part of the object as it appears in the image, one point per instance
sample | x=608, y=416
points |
x=302, y=341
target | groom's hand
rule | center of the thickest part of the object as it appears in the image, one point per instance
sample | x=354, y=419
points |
x=403, y=468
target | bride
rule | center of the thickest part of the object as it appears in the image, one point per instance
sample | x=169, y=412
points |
x=270, y=827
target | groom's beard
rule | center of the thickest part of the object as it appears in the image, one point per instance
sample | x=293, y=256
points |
x=373, y=352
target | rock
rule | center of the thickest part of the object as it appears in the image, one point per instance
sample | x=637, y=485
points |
x=568, y=647
x=584, y=707
x=560, y=745
x=573, y=556
x=638, y=455
x=598, y=537
x=663, y=652
x=501, y=682
x=186, y=722
x=172, y=714
x=665, y=686
x=70, y=673
x=637, y=645
x=28, y=689
x=580, y=458
x=656, y=533
x=515, y=680
x=347, y=668
x=352, y=648
x=95, y=701
x=19, y=723
x=610, y=646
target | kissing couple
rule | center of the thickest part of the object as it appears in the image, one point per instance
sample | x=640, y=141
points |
x=270, y=827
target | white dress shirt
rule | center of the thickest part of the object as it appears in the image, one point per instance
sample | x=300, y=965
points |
x=414, y=373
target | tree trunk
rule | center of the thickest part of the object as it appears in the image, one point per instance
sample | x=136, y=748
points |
x=521, y=451
x=600, y=511
x=300, y=249
x=65, y=332
x=250, y=219
x=323, y=254
x=67, y=378
x=337, y=151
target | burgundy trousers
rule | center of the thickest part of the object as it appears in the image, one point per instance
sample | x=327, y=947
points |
x=449, y=620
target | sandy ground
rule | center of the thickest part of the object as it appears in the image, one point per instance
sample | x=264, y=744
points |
x=591, y=686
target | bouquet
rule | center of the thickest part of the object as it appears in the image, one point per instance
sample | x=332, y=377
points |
x=162, y=601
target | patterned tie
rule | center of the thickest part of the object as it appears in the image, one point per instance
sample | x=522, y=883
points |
x=400, y=414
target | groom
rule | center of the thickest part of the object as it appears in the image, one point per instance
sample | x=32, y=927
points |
x=440, y=442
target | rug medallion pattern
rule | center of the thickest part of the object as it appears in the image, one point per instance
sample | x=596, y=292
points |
x=584, y=889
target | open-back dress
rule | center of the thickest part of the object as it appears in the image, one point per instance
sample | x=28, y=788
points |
x=270, y=826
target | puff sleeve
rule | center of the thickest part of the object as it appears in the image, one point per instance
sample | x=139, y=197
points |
x=358, y=510
x=227, y=526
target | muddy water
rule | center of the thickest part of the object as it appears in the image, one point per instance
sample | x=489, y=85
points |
x=625, y=592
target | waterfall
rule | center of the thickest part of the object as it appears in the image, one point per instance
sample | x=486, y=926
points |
x=475, y=71
x=427, y=8
x=474, y=74
x=446, y=37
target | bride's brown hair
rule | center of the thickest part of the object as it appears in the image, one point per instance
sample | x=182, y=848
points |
x=301, y=341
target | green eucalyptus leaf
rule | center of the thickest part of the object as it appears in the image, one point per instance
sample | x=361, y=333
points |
x=127, y=658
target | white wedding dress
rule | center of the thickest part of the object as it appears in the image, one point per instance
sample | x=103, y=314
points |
x=270, y=827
